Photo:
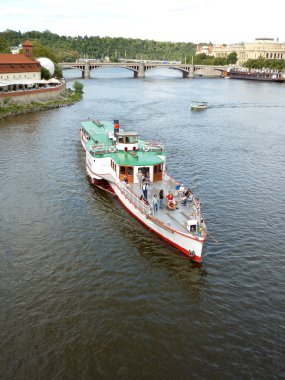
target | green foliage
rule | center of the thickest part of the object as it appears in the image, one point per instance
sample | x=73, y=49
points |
x=42, y=51
x=45, y=74
x=10, y=108
x=204, y=59
x=78, y=86
x=6, y=100
x=57, y=71
x=68, y=49
x=232, y=58
x=261, y=63
x=4, y=46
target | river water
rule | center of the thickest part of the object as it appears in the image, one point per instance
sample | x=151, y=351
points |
x=88, y=293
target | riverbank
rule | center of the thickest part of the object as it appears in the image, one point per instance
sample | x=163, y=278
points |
x=11, y=108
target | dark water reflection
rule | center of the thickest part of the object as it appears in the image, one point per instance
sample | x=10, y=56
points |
x=89, y=293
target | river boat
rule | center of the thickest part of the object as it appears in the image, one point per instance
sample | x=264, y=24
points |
x=121, y=163
x=256, y=75
x=198, y=106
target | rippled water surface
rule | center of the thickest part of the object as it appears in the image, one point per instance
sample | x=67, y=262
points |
x=88, y=293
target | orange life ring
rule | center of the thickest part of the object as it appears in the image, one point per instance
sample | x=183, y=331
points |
x=171, y=205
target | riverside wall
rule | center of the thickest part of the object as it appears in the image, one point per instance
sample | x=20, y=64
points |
x=34, y=95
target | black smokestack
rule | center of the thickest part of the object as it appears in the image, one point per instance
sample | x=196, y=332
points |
x=116, y=127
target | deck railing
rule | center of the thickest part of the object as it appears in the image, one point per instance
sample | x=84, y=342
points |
x=132, y=197
x=104, y=149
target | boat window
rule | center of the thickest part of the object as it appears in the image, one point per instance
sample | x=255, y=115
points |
x=133, y=139
x=122, y=170
x=130, y=170
x=144, y=170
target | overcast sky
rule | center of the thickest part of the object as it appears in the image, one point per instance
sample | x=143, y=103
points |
x=216, y=21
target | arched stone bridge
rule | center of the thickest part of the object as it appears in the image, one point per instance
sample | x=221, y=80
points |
x=139, y=68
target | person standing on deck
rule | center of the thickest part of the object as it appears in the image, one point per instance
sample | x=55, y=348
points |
x=140, y=177
x=154, y=203
x=144, y=189
x=161, y=197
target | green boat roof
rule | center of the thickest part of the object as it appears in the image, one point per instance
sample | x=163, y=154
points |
x=101, y=133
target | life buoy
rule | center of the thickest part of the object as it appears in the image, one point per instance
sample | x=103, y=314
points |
x=171, y=205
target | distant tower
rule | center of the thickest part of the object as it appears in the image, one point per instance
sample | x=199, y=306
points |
x=28, y=49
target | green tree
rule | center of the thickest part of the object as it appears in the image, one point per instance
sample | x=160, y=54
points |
x=45, y=74
x=78, y=86
x=4, y=46
x=232, y=58
x=57, y=71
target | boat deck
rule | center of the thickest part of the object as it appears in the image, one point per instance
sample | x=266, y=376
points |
x=177, y=218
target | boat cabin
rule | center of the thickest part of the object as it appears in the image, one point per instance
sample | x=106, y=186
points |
x=126, y=141
x=122, y=152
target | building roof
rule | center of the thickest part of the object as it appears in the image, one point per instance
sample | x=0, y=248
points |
x=15, y=58
x=27, y=43
x=17, y=63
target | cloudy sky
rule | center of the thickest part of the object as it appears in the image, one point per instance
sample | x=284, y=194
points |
x=218, y=21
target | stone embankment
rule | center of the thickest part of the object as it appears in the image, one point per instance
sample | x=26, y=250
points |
x=34, y=100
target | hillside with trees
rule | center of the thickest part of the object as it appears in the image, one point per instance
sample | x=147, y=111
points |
x=68, y=49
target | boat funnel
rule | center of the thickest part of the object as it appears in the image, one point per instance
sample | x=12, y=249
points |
x=116, y=127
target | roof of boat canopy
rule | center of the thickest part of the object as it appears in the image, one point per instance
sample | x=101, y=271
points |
x=101, y=143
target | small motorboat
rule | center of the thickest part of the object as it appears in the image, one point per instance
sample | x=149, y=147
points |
x=197, y=106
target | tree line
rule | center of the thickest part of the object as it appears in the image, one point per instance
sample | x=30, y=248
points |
x=69, y=49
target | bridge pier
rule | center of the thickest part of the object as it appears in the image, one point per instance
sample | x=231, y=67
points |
x=190, y=73
x=141, y=72
x=86, y=71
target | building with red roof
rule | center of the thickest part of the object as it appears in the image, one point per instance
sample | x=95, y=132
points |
x=20, y=66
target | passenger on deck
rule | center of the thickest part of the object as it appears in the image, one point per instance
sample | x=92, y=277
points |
x=155, y=203
x=147, y=178
x=171, y=204
x=177, y=188
x=161, y=197
x=169, y=196
x=185, y=197
x=143, y=200
x=145, y=189
x=125, y=182
x=140, y=177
